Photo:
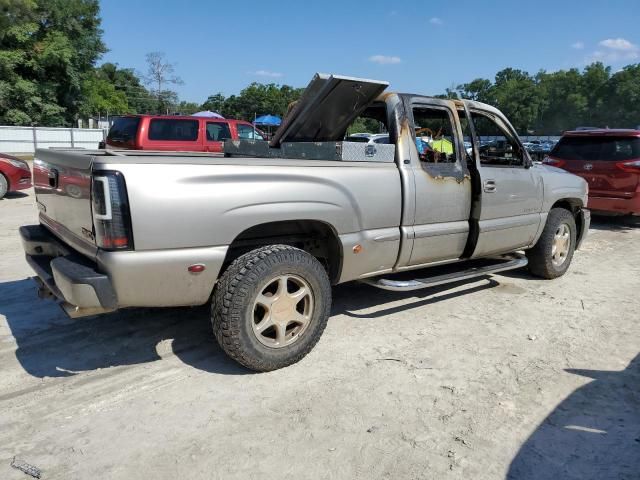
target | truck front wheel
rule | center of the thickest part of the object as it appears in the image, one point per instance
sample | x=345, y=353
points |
x=551, y=256
x=271, y=306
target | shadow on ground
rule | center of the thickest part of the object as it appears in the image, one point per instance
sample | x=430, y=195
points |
x=51, y=345
x=593, y=434
x=615, y=223
x=14, y=195
x=349, y=298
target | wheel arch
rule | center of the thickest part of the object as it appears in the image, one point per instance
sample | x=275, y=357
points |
x=316, y=237
x=574, y=205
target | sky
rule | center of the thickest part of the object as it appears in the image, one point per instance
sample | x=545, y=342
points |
x=419, y=46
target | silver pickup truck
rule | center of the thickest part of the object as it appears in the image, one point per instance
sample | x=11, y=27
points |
x=264, y=237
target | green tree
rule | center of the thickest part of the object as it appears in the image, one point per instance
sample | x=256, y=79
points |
x=479, y=90
x=101, y=97
x=139, y=99
x=623, y=98
x=255, y=100
x=47, y=48
x=515, y=93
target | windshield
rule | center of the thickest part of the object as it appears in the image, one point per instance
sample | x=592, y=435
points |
x=124, y=129
x=597, y=148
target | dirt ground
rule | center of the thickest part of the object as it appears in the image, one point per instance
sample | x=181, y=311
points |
x=504, y=377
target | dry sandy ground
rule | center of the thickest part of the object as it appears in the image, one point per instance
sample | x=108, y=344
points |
x=508, y=377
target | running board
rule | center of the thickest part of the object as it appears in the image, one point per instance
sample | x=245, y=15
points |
x=502, y=264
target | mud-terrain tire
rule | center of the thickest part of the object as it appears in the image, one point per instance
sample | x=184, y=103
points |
x=4, y=186
x=279, y=284
x=551, y=256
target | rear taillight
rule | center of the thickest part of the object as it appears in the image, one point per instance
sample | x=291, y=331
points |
x=111, y=216
x=554, y=162
x=629, y=167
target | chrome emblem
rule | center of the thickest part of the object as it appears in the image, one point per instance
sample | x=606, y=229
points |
x=588, y=166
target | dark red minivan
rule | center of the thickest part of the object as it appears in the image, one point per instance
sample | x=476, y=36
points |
x=177, y=133
x=609, y=160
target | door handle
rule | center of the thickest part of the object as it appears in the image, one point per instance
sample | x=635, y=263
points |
x=489, y=186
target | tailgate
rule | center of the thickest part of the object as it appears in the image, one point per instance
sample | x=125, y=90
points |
x=62, y=182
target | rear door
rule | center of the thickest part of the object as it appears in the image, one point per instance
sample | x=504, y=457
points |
x=600, y=159
x=174, y=134
x=216, y=132
x=511, y=193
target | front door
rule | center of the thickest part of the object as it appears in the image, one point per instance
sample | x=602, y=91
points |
x=511, y=192
x=442, y=183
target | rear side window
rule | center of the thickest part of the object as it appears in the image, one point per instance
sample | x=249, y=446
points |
x=173, y=130
x=124, y=129
x=218, y=131
x=597, y=148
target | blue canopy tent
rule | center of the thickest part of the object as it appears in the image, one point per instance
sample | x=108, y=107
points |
x=268, y=121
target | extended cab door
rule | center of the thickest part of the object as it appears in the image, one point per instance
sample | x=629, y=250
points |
x=509, y=212
x=442, y=182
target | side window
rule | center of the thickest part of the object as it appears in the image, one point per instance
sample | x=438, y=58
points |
x=218, y=131
x=247, y=132
x=434, y=134
x=498, y=147
x=170, y=129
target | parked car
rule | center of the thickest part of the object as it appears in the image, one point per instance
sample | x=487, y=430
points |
x=609, y=160
x=177, y=133
x=265, y=238
x=14, y=174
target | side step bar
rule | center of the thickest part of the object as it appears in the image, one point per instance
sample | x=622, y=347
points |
x=501, y=264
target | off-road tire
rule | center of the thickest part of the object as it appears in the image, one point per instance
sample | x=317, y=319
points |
x=540, y=257
x=233, y=303
x=4, y=186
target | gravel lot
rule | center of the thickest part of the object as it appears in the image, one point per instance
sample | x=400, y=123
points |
x=504, y=377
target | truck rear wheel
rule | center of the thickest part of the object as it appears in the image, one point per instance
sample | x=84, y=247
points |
x=551, y=256
x=270, y=307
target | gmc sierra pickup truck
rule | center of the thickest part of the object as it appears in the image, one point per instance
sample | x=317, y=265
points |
x=264, y=237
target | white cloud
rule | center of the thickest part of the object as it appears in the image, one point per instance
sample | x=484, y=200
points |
x=267, y=73
x=384, y=59
x=615, y=50
x=619, y=44
x=436, y=21
x=577, y=45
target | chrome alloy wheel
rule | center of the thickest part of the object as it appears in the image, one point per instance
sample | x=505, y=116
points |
x=282, y=311
x=561, y=245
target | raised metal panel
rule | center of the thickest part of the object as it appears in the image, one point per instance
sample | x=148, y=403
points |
x=326, y=108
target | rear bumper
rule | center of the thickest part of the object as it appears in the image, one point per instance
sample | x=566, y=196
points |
x=622, y=206
x=67, y=275
x=158, y=278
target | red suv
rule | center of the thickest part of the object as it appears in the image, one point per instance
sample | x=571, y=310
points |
x=609, y=160
x=177, y=133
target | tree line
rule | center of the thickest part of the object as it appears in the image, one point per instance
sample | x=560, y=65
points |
x=548, y=103
x=48, y=76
